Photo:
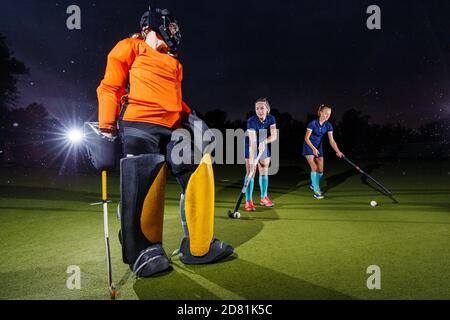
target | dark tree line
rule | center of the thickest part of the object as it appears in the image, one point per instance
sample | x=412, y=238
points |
x=31, y=140
x=25, y=133
x=10, y=68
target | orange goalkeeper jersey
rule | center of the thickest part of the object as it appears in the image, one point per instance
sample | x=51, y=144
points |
x=155, y=86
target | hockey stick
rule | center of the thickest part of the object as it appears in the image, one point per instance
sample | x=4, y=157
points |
x=368, y=176
x=235, y=213
x=100, y=151
x=111, y=286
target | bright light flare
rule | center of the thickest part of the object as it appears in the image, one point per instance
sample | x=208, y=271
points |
x=75, y=136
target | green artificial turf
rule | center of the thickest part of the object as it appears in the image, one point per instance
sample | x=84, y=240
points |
x=302, y=248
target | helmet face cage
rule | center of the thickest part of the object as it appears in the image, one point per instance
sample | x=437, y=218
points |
x=162, y=22
x=171, y=32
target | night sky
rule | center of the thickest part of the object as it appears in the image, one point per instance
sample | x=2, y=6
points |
x=299, y=54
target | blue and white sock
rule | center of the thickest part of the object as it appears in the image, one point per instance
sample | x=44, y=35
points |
x=318, y=177
x=249, y=191
x=263, y=185
x=314, y=181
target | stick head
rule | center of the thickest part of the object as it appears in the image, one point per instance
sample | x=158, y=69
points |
x=234, y=215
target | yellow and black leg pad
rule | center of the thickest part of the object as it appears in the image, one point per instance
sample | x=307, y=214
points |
x=199, y=207
x=199, y=245
x=142, y=188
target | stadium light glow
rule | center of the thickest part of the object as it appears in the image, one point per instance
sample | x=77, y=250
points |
x=75, y=136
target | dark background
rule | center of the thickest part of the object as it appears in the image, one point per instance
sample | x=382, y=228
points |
x=388, y=87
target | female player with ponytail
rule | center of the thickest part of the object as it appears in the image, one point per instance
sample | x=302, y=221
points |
x=262, y=130
x=313, y=148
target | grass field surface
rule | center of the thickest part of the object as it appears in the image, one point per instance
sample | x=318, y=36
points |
x=302, y=248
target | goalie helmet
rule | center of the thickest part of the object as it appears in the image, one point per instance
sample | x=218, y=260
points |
x=163, y=23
